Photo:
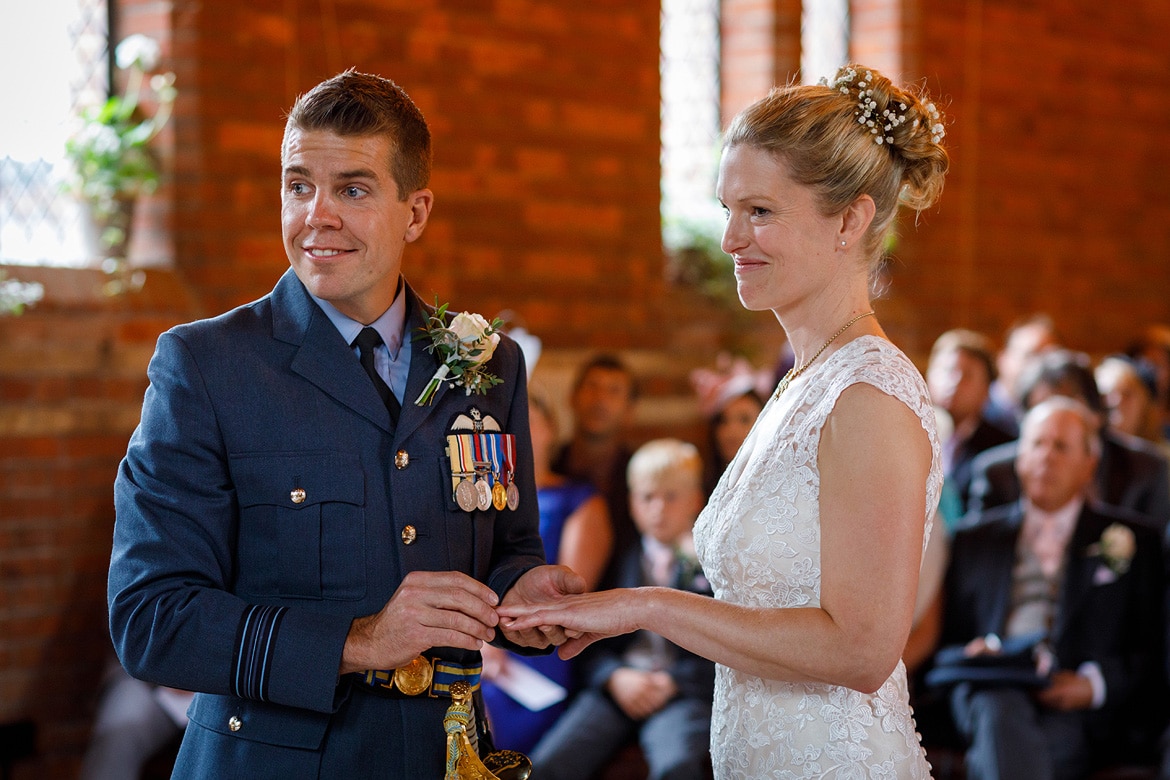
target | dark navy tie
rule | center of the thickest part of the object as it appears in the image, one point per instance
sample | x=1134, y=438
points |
x=366, y=341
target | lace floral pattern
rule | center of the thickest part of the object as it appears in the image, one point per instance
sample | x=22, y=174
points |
x=759, y=542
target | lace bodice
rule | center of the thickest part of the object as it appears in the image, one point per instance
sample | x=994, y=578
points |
x=759, y=543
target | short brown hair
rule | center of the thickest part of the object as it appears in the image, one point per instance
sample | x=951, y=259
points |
x=353, y=103
x=970, y=342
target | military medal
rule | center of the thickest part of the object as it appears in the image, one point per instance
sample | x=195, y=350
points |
x=465, y=495
x=512, y=493
x=462, y=472
x=483, y=488
x=499, y=493
x=483, y=493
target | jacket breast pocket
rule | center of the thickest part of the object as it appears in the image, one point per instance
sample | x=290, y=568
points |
x=302, y=525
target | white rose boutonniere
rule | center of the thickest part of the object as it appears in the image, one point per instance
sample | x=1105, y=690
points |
x=1116, y=548
x=464, y=346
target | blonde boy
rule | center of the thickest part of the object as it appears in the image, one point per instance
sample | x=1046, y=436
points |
x=640, y=685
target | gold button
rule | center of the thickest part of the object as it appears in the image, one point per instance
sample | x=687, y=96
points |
x=234, y=723
x=402, y=459
x=409, y=534
x=297, y=495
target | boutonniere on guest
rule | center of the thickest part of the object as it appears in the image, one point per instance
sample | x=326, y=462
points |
x=1116, y=548
x=464, y=345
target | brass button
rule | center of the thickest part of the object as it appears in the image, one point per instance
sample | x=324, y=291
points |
x=234, y=723
x=297, y=495
x=409, y=534
x=402, y=459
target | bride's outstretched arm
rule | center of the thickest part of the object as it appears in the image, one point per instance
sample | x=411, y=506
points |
x=874, y=460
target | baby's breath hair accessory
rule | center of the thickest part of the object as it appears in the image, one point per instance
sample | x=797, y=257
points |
x=881, y=126
x=937, y=132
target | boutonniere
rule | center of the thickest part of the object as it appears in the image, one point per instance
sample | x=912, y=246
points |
x=464, y=345
x=1116, y=548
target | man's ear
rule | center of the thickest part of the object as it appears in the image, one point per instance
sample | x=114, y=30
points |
x=420, y=212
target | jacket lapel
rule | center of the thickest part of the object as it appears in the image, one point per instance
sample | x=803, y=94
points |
x=423, y=365
x=1079, y=567
x=322, y=356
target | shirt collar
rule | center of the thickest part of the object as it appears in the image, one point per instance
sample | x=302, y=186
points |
x=1064, y=518
x=389, y=326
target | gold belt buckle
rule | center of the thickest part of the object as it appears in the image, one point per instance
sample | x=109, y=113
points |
x=415, y=677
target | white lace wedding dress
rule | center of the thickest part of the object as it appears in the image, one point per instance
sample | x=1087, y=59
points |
x=759, y=543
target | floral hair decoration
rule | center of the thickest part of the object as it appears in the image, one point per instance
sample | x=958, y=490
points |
x=882, y=125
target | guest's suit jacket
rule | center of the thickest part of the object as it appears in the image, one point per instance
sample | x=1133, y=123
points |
x=985, y=436
x=1114, y=620
x=693, y=674
x=261, y=507
x=1132, y=474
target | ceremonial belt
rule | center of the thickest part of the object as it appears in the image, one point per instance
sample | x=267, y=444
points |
x=421, y=677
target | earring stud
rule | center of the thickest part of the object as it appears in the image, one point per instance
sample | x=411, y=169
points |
x=842, y=243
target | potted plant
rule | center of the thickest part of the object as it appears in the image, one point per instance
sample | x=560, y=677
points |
x=111, y=153
x=15, y=295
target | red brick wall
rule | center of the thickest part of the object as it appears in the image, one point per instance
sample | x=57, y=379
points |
x=1060, y=122
x=545, y=118
x=72, y=375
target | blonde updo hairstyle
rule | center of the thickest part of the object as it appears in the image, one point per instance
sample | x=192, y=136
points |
x=857, y=134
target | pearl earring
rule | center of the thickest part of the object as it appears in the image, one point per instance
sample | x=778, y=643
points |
x=842, y=243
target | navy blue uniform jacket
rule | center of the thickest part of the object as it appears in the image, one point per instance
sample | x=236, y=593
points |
x=220, y=583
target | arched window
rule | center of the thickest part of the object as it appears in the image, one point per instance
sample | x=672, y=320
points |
x=824, y=38
x=690, y=64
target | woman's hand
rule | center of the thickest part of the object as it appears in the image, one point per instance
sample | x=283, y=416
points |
x=585, y=618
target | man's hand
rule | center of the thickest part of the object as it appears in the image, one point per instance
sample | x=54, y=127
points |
x=640, y=694
x=1068, y=691
x=429, y=609
x=542, y=585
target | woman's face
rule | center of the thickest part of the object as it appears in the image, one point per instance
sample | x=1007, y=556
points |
x=783, y=247
x=1125, y=397
x=733, y=425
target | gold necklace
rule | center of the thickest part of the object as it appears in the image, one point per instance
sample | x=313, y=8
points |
x=794, y=372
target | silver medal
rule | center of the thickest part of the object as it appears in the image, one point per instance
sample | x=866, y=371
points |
x=483, y=494
x=465, y=495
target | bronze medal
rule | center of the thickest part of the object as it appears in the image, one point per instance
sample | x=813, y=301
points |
x=513, y=496
x=465, y=495
x=415, y=677
x=499, y=496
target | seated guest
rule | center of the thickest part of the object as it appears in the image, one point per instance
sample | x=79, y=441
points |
x=575, y=529
x=730, y=414
x=1084, y=579
x=135, y=721
x=1128, y=388
x=1131, y=473
x=602, y=401
x=1026, y=338
x=640, y=684
x=959, y=376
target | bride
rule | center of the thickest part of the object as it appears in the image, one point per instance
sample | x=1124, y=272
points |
x=813, y=537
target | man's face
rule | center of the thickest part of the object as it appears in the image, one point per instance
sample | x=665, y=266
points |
x=958, y=383
x=1054, y=462
x=343, y=224
x=603, y=401
x=1025, y=343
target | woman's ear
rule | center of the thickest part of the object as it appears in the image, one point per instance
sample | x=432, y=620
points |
x=856, y=219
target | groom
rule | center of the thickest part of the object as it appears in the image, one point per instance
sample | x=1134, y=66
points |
x=289, y=541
